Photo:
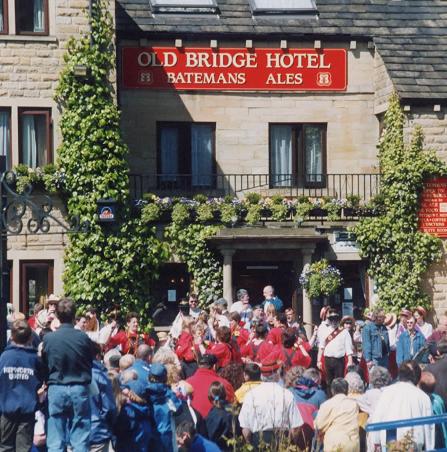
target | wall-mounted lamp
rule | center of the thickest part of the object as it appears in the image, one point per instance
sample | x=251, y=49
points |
x=317, y=44
x=353, y=45
x=80, y=71
x=283, y=44
x=213, y=43
x=179, y=43
x=249, y=44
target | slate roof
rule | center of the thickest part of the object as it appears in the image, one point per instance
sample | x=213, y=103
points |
x=410, y=35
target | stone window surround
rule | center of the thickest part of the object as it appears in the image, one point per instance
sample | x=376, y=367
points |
x=298, y=150
x=185, y=132
x=14, y=105
x=46, y=113
x=10, y=32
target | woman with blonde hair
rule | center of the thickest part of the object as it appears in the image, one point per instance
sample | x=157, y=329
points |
x=169, y=359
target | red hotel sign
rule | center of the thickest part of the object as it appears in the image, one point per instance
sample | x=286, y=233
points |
x=234, y=69
x=433, y=207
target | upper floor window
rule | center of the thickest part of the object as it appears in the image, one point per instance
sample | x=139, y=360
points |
x=298, y=155
x=35, y=141
x=5, y=135
x=186, y=154
x=184, y=6
x=32, y=16
x=3, y=16
x=283, y=6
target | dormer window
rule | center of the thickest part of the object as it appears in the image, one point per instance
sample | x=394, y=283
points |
x=283, y=6
x=184, y=6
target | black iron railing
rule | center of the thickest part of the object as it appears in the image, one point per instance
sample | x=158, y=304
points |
x=313, y=185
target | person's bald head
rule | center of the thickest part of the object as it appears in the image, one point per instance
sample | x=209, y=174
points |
x=427, y=382
x=144, y=352
x=268, y=292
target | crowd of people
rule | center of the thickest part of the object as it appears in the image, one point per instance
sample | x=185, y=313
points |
x=221, y=379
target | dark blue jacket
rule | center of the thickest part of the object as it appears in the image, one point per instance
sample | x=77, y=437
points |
x=102, y=405
x=373, y=346
x=164, y=404
x=219, y=424
x=133, y=428
x=403, y=346
x=20, y=377
x=68, y=353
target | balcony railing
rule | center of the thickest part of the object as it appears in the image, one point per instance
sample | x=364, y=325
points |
x=313, y=185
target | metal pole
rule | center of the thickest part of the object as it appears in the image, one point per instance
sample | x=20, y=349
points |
x=4, y=273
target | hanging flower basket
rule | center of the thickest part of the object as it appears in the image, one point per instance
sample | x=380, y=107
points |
x=320, y=279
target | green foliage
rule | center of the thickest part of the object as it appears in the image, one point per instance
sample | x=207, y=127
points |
x=253, y=198
x=205, y=212
x=302, y=209
x=320, y=278
x=189, y=244
x=228, y=213
x=398, y=253
x=108, y=264
x=279, y=212
x=253, y=213
x=150, y=213
x=180, y=213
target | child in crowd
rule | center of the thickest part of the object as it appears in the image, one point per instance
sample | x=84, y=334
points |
x=164, y=404
x=221, y=424
x=20, y=378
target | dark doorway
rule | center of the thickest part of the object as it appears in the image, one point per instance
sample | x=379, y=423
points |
x=36, y=283
x=254, y=276
x=172, y=285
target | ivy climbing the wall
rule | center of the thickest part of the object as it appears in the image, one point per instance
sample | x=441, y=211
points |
x=105, y=266
x=398, y=253
x=188, y=242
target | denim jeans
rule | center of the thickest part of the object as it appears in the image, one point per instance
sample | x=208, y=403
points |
x=69, y=418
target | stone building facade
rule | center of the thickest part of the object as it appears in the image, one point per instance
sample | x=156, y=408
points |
x=389, y=46
x=33, y=36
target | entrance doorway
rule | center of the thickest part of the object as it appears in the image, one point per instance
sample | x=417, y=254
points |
x=36, y=283
x=254, y=276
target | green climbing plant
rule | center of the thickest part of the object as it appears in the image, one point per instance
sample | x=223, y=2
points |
x=188, y=242
x=114, y=265
x=398, y=253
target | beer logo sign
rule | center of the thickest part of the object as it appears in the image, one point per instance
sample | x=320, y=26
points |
x=106, y=213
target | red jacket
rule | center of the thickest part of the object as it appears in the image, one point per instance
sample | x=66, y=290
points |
x=184, y=347
x=257, y=353
x=275, y=335
x=129, y=342
x=289, y=357
x=241, y=336
x=201, y=382
x=225, y=354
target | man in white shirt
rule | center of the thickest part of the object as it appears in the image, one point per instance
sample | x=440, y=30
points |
x=269, y=411
x=334, y=343
x=404, y=400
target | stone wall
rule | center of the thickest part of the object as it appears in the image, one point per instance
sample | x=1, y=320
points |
x=434, y=125
x=383, y=86
x=242, y=120
x=29, y=72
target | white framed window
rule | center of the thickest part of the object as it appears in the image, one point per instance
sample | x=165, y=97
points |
x=283, y=6
x=184, y=6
